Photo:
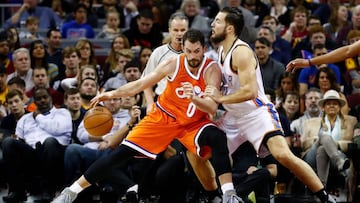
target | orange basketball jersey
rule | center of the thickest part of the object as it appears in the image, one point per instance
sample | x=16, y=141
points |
x=174, y=102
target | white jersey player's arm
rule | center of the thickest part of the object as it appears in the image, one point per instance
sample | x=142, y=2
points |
x=244, y=63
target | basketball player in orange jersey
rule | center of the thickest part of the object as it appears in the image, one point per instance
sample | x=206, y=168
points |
x=181, y=112
x=250, y=115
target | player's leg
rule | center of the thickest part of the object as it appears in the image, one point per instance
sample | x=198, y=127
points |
x=215, y=138
x=96, y=172
x=278, y=147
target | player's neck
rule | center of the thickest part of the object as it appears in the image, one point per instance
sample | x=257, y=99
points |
x=228, y=43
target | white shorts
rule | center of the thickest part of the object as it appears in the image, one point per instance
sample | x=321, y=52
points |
x=251, y=127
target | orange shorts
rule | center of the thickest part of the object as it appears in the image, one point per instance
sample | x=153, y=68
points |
x=155, y=131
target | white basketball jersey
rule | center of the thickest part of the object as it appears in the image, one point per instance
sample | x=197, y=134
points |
x=231, y=84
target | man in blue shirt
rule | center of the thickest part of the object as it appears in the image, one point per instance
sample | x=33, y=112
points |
x=48, y=18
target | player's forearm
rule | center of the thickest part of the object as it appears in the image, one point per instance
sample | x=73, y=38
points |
x=241, y=95
x=129, y=89
x=149, y=95
x=334, y=56
x=205, y=105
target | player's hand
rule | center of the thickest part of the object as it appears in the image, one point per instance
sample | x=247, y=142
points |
x=188, y=90
x=213, y=92
x=101, y=97
x=296, y=64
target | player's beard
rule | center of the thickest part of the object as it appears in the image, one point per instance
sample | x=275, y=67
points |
x=219, y=37
x=194, y=63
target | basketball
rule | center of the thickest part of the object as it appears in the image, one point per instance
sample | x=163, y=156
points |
x=98, y=121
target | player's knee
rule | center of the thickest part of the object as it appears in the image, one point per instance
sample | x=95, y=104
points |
x=283, y=157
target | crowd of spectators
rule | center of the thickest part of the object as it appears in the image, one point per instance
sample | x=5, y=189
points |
x=45, y=85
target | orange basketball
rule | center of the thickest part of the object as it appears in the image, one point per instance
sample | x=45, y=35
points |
x=98, y=121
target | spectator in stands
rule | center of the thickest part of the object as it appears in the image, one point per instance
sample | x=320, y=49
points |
x=290, y=106
x=129, y=10
x=19, y=84
x=49, y=19
x=355, y=77
x=21, y=59
x=307, y=76
x=32, y=29
x=111, y=29
x=4, y=53
x=144, y=56
x=106, y=6
x=312, y=110
x=325, y=139
x=325, y=80
x=281, y=12
x=324, y=10
x=88, y=89
x=71, y=60
x=143, y=33
x=78, y=28
x=14, y=39
x=86, y=71
x=191, y=9
x=316, y=35
x=54, y=50
x=287, y=82
x=40, y=143
x=271, y=70
x=91, y=17
x=119, y=42
x=297, y=29
x=337, y=20
x=124, y=56
x=38, y=57
x=15, y=103
x=249, y=18
x=355, y=25
x=72, y=101
x=40, y=78
x=87, y=56
x=281, y=54
x=3, y=85
x=131, y=72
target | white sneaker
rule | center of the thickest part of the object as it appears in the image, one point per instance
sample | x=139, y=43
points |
x=66, y=196
x=231, y=197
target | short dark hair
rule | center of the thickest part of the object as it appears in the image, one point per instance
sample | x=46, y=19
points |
x=79, y=6
x=18, y=81
x=49, y=32
x=193, y=35
x=133, y=64
x=263, y=40
x=235, y=18
x=12, y=93
x=40, y=88
x=145, y=13
x=71, y=91
x=88, y=78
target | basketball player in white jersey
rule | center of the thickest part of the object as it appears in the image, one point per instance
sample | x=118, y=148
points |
x=178, y=25
x=250, y=115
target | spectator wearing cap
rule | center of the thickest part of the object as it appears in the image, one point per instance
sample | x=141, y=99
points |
x=4, y=52
x=326, y=139
x=78, y=28
x=130, y=73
